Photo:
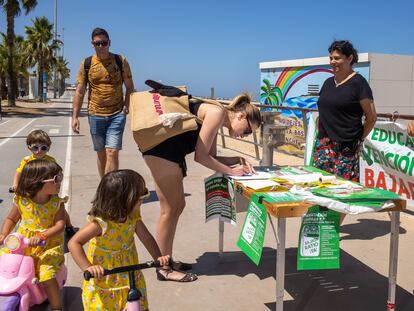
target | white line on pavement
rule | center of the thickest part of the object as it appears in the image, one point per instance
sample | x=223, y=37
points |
x=67, y=172
x=15, y=133
x=4, y=122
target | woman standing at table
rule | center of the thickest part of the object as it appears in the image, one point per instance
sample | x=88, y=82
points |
x=343, y=100
x=166, y=162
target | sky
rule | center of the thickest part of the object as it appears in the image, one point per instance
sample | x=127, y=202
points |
x=220, y=43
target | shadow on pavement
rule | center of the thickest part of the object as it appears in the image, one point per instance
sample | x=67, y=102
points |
x=354, y=287
x=72, y=298
x=29, y=112
x=367, y=229
x=154, y=198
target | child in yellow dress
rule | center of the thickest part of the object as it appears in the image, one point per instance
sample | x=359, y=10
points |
x=41, y=214
x=39, y=142
x=113, y=221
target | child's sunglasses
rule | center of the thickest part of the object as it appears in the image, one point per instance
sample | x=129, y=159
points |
x=100, y=43
x=145, y=195
x=36, y=148
x=56, y=179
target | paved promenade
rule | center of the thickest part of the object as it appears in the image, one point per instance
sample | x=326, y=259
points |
x=237, y=284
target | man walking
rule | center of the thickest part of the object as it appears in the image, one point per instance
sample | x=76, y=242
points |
x=105, y=73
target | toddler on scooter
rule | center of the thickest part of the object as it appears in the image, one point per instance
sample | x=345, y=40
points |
x=39, y=142
x=41, y=213
x=114, y=218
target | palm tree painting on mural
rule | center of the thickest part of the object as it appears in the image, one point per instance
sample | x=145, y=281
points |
x=40, y=47
x=12, y=8
x=271, y=95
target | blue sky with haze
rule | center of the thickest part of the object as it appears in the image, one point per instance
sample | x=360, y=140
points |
x=220, y=44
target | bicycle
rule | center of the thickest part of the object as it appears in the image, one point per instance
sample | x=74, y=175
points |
x=134, y=295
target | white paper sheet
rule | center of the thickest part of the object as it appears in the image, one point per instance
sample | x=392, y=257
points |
x=259, y=183
x=258, y=175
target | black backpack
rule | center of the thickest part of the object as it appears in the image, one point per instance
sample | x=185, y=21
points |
x=88, y=61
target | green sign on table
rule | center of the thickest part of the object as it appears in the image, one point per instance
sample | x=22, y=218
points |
x=319, y=240
x=252, y=234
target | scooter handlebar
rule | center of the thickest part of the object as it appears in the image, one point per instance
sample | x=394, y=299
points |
x=149, y=264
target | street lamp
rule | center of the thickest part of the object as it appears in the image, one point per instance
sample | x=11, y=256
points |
x=55, y=54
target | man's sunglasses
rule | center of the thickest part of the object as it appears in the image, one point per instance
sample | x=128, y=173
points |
x=248, y=130
x=36, y=148
x=100, y=43
x=56, y=179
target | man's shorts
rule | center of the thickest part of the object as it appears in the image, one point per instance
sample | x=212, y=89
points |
x=107, y=131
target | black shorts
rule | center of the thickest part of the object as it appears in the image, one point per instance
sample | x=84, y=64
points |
x=175, y=149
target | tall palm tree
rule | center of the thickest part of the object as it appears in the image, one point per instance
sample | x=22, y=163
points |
x=3, y=69
x=12, y=8
x=41, y=46
x=63, y=73
x=19, y=64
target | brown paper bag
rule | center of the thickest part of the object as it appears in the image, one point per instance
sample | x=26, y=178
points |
x=146, y=108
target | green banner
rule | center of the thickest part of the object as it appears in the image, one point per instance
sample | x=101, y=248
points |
x=319, y=240
x=252, y=234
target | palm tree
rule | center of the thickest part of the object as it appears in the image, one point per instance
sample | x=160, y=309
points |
x=3, y=69
x=40, y=47
x=19, y=64
x=12, y=8
x=63, y=73
x=271, y=95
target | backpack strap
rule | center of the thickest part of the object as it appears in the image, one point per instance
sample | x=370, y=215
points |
x=86, y=67
x=88, y=62
x=118, y=61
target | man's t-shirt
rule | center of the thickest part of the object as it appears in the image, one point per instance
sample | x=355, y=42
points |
x=105, y=85
x=31, y=158
x=340, y=111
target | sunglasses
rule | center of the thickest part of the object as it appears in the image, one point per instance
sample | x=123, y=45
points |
x=248, y=130
x=145, y=195
x=100, y=43
x=56, y=179
x=36, y=148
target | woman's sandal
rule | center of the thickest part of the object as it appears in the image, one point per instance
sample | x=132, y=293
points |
x=188, y=276
x=181, y=266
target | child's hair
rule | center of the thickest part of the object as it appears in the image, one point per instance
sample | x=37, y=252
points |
x=38, y=137
x=117, y=195
x=33, y=173
x=243, y=103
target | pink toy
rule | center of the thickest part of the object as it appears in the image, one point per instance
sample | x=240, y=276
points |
x=19, y=288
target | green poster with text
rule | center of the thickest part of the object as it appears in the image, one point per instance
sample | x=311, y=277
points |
x=252, y=234
x=319, y=240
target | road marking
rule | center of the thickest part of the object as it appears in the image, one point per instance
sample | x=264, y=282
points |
x=66, y=183
x=17, y=132
x=49, y=125
x=4, y=122
x=54, y=131
x=67, y=172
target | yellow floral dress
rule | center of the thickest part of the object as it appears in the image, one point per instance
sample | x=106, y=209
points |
x=37, y=218
x=115, y=247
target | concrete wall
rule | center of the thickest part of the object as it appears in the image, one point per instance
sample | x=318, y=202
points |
x=392, y=82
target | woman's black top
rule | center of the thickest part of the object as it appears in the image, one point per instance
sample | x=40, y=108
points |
x=340, y=111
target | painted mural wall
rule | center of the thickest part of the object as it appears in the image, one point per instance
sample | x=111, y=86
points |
x=296, y=87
